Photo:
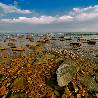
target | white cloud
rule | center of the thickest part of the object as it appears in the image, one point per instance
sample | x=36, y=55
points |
x=15, y=3
x=79, y=19
x=13, y=9
x=39, y=20
x=77, y=14
x=85, y=14
x=86, y=9
x=65, y=18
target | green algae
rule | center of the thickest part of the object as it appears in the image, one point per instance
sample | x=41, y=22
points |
x=90, y=83
x=18, y=84
x=17, y=95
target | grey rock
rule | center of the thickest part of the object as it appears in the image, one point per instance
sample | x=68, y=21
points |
x=65, y=73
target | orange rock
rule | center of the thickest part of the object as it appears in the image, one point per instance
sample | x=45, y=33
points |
x=97, y=95
x=3, y=90
x=79, y=96
x=18, y=49
x=72, y=96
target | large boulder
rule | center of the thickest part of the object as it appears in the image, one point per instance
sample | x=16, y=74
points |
x=89, y=82
x=65, y=73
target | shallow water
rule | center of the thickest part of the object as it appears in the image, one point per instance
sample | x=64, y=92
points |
x=34, y=66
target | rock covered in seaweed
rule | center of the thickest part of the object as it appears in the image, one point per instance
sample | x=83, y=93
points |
x=90, y=83
x=65, y=73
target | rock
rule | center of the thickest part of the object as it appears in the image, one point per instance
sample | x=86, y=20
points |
x=79, y=96
x=67, y=91
x=53, y=96
x=72, y=96
x=3, y=90
x=91, y=42
x=18, y=95
x=57, y=93
x=76, y=88
x=11, y=45
x=18, y=84
x=90, y=83
x=18, y=49
x=65, y=74
x=6, y=94
x=97, y=95
x=2, y=48
x=96, y=58
x=96, y=78
x=75, y=44
x=1, y=76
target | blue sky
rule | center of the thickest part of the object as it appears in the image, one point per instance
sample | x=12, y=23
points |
x=48, y=15
x=50, y=7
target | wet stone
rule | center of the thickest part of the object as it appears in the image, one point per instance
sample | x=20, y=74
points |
x=65, y=73
x=90, y=83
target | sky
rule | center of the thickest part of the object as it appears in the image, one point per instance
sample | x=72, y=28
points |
x=48, y=15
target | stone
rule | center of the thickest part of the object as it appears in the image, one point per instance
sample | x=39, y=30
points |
x=90, y=83
x=18, y=49
x=3, y=90
x=18, y=84
x=65, y=74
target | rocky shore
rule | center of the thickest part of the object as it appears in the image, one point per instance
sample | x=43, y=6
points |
x=41, y=67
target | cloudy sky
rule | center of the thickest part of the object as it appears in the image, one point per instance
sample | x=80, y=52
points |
x=48, y=15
